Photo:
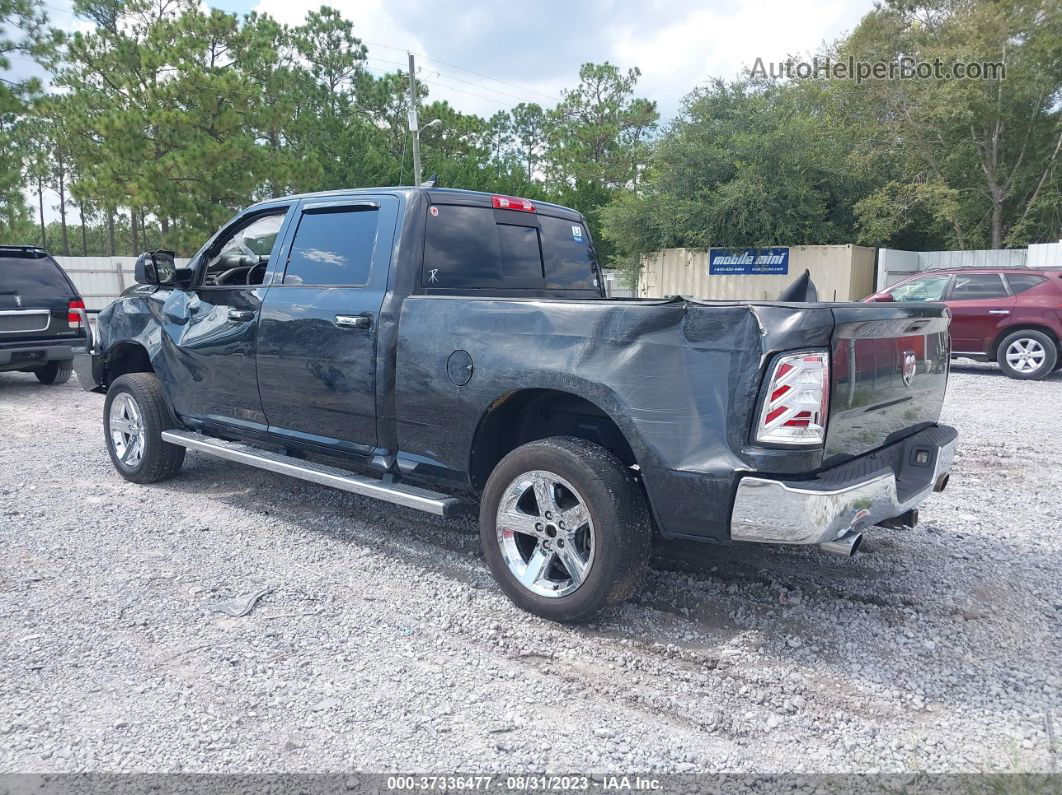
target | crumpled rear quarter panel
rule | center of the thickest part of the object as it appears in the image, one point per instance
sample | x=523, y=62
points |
x=679, y=378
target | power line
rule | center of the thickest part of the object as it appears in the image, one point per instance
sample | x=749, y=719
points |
x=552, y=97
x=437, y=84
x=458, y=79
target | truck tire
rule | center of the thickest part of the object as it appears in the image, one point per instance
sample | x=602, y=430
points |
x=1027, y=355
x=55, y=372
x=565, y=528
x=134, y=417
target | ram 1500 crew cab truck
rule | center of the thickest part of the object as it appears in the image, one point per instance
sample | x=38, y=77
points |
x=432, y=347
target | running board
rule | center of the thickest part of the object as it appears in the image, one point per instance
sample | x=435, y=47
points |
x=397, y=493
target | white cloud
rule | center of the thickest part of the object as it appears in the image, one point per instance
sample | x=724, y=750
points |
x=724, y=42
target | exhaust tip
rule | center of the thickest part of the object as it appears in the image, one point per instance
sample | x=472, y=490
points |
x=943, y=482
x=846, y=546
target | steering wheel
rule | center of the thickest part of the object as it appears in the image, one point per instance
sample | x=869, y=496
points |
x=223, y=278
x=251, y=278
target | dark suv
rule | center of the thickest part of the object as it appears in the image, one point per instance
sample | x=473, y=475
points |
x=1012, y=315
x=41, y=315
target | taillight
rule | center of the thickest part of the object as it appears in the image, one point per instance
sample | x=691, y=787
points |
x=511, y=203
x=72, y=317
x=795, y=406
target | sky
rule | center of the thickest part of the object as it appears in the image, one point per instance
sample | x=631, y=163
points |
x=483, y=56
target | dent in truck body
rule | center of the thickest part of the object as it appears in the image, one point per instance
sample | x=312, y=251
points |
x=640, y=362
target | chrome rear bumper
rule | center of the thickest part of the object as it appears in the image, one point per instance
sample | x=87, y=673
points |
x=858, y=494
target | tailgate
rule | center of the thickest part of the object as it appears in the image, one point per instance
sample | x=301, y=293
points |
x=889, y=370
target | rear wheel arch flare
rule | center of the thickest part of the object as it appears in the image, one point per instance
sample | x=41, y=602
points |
x=527, y=415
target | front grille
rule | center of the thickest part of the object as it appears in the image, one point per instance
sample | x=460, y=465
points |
x=17, y=320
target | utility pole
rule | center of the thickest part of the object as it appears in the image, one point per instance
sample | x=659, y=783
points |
x=414, y=126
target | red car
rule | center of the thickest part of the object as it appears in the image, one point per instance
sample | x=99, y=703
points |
x=1012, y=315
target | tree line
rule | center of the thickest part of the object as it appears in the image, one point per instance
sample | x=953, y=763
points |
x=163, y=119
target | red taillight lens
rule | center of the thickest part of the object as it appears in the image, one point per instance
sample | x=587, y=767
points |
x=72, y=317
x=795, y=409
x=512, y=203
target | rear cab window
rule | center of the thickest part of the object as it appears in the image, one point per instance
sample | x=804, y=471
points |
x=482, y=248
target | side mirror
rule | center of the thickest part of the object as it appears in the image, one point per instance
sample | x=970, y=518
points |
x=155, y=267
x=182, y=278
x=883, y=297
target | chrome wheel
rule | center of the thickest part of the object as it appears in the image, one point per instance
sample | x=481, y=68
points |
x=1026, y=355
x=545, y=534
x=126, y=426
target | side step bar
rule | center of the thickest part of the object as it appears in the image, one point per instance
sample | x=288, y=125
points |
x=398, y=493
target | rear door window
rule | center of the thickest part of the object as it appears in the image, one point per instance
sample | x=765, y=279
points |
x=333, y=247
x=31, y=279
x=977, y=286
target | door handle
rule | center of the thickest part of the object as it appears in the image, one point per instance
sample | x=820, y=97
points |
x=999, y=311
x=241, y=314
x=362, y=321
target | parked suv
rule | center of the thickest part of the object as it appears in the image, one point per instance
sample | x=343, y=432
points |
x=434, y=347
x=1012, y=315
x=40, y=325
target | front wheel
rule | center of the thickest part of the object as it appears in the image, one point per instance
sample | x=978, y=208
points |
x=1027, y=354
x=565, y=528
x=134, y=417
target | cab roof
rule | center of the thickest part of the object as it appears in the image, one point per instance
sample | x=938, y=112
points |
x=473, y=198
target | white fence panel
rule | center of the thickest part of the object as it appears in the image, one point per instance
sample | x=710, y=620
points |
x=973, y=258
x=894, y=264
x=1045, y=255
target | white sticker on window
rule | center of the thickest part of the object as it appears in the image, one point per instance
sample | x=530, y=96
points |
x=577, y=233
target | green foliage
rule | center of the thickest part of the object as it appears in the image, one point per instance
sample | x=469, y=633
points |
x=743, y=165
x=164, y=118
x=990, y=146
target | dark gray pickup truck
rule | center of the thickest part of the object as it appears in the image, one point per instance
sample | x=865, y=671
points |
x=433, y=347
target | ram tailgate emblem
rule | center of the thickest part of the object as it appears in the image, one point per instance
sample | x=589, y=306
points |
x=910, y=367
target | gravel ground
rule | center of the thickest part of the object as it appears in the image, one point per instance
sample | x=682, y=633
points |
x=383, y=645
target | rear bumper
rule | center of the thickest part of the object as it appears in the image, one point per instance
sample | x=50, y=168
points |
x=859, y=493
x=30, y=354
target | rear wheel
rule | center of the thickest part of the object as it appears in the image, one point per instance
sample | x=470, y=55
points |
x=55, y=372
x=134, y=417
x=565, y=528
x=1027, y=354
